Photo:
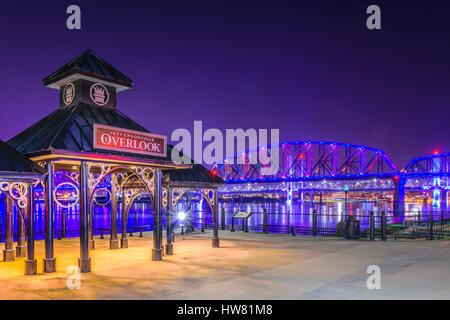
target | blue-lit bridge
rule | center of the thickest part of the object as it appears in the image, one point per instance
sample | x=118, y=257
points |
x=318, y=166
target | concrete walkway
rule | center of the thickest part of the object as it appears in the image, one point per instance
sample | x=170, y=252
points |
x=247, y=266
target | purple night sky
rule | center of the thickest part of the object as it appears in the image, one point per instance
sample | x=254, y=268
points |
x=310, y=68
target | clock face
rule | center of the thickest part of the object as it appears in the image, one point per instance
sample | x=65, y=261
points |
x=69, y=93
x=99, y=94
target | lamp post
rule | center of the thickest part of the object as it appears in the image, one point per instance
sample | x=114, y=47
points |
x=346, y=198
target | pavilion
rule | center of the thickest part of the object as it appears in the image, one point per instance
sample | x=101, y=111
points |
x=18, y=175
x=87, y=142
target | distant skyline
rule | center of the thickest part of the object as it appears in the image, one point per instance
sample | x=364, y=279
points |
x=311, y=69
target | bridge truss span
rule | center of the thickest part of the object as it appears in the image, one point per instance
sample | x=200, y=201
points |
x=306, y=161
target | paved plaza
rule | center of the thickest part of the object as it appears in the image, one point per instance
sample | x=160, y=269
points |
x=247, y=266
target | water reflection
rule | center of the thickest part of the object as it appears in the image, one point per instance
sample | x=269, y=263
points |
x=278, y=214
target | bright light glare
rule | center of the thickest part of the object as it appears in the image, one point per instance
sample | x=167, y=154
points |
x=181, y=215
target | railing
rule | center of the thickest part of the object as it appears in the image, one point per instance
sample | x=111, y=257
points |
x=426, y=224
x=431, y=225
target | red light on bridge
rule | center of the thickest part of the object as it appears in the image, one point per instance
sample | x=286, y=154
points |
x=214, y=172
x=396, y=178
x=436, y=151
x=302, y=156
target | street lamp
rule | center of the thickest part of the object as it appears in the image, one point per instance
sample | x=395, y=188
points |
x=181, y=217
x=346, y=198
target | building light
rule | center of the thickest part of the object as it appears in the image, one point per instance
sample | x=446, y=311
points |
x=181, y=215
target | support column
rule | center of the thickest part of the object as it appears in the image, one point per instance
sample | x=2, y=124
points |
x=215, y=238
x=444, y=198
x=399, y=195
x=157, y=208
x=169, y=224
x=91, y=242
x=8, y=252
x=124, y=238
x=21, y=246
x=49, y=260
x=114, y=240
x=84, y=262
x=30, y=262
x=289, y=194
x=189, y=213
x=311, y=200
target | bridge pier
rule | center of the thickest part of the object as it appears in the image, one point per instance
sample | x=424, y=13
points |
x=289, y=194
x=300, y=196
x=399, y=195
x=444, y=198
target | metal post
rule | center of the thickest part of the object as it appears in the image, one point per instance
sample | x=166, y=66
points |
x=169, y=224
x=383, y=226
x=314, y=226
x=246, y=225
x=30, y=262
x=64, y=223
x=84, y=261
x=203, y=223
x=215, y=239
x=372, y=226
x=442, y=223
x=124, y=239
x=189, y=215
x=49, y=260
x=157, y=207
x=8, y=252
x=91, y=223
x=113, y=239
x=430, y=225
x=288, y=220
x=265, y=227
x=223, y=218
x=232, y=224
x=346, y=203
x=21, y=246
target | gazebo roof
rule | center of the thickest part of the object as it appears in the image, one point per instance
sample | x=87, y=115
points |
x=195, y=175
x=71, y=129
x=13, y=162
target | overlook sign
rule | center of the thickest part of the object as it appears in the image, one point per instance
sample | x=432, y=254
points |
x=119, y=139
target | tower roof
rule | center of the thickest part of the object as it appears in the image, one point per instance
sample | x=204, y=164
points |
x=88, y=66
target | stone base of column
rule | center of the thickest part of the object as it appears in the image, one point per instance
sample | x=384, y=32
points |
x=124, y=243
x=30, y=267
x=8, y=255
x=91, y=244
x=84, y=264
x=114, y=244
x=49, y=265
x=21, y=251
x=215, y=242
x=156, y=255
x=168, y=248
